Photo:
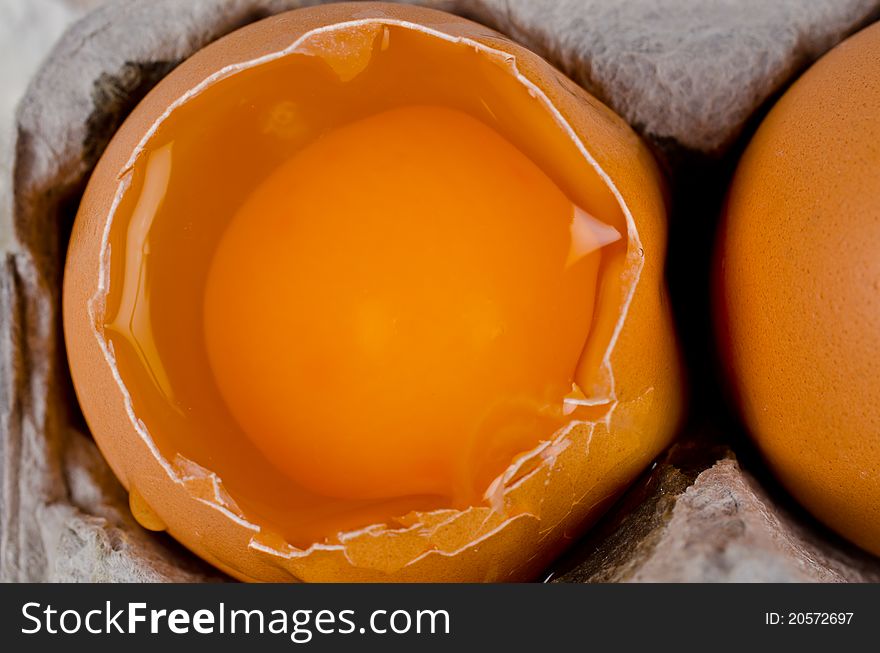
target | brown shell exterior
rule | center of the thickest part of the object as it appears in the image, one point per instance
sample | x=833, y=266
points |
x=799, y=281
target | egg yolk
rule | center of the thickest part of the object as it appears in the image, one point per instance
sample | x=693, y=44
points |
x=399, y=307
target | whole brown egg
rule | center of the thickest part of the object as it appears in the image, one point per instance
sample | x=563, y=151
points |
x=799, y=288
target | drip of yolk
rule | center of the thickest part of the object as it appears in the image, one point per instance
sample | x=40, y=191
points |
x=399, y=308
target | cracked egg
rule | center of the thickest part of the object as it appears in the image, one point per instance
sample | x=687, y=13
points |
x=368, y=292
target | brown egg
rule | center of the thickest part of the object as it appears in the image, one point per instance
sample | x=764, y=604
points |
x=799, y=279
x=368, y=292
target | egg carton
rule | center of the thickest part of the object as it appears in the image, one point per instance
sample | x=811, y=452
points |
x=690, y=77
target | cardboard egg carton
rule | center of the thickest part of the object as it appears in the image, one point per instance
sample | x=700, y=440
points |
x=692, y=77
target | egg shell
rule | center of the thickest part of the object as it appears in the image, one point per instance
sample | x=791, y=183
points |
x=799, y=288
x=560, y=488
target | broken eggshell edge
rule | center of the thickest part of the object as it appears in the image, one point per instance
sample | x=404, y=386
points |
x=549, y=494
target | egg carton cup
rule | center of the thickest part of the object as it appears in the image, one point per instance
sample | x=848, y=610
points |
x=687, y=75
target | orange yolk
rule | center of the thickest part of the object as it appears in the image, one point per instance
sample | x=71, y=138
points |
x=399, y=308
